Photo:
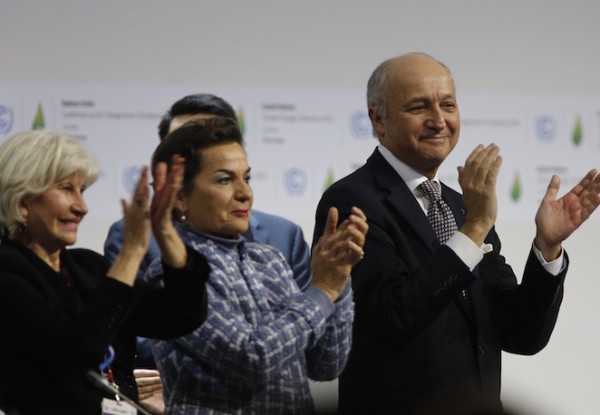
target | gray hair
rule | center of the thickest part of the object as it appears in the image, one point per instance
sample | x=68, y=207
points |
x=30, y=163
x=377, y=84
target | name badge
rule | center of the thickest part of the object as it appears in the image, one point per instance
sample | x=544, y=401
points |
x=112, y=407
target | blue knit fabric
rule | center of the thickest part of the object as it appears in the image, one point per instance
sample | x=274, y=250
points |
x=262, y=340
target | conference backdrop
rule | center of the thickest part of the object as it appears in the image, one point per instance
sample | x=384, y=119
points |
x=299, y=141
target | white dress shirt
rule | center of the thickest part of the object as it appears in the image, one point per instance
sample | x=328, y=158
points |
x=461, y=244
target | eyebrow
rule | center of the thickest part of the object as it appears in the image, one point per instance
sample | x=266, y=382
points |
x=451, y=96
x=231, y=172
x=422, y=99
x=426, y=98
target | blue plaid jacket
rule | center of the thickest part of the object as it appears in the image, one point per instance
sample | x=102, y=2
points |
x=262, y=340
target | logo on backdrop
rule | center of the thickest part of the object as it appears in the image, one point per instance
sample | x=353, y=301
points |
x=577, y=135
x=545, y=128
x=329, y=179
x=39, y=123
x=360, y=124
x=241, y=119
x=294, y=180
x=131, y=175
x=516, y=188
x=6, y=119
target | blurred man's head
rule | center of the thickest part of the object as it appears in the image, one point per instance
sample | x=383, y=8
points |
x=192, y=108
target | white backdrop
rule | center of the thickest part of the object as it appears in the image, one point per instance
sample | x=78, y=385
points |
x=513, y=62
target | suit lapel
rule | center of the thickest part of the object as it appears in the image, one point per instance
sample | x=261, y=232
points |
x=403, y=203
x=401, y=200
x=454, y=200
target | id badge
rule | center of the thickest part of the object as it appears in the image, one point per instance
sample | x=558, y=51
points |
x=112, y=407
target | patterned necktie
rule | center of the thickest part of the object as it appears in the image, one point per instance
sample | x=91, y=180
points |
x=439, y=214
x=442, y=221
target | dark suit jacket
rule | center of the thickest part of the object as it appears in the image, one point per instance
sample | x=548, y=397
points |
x=286, y=236
x=114, y=243
x=417, y=348
x=48, y=344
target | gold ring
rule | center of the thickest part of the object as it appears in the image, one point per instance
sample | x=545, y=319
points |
x=362, y=254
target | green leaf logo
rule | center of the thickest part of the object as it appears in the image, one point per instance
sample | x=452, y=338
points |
x=577, y=132
x=38, y=121
x=515, y=191
x=328, y=179
x=241, y=121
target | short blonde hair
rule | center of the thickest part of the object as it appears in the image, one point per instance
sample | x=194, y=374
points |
x=30, y=163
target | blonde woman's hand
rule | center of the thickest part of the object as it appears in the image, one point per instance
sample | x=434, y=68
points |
x=166, y=188
x=136, y=233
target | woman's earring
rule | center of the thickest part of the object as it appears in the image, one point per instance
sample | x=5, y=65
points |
x=182, y=218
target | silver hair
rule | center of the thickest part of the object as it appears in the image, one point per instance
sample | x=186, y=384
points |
x=377, y=84
x=30, y=163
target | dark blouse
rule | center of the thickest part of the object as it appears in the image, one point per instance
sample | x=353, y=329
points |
x=52, y=335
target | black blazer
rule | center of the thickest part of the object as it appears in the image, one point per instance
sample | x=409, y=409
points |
x=48, y=345
x=417, y=347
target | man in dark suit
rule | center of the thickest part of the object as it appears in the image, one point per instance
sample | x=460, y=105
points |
x=433, y=315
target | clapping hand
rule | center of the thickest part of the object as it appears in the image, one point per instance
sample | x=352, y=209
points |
x=166, y=187
x=478, y=182
x=556, y=219
x=337, y=251
x=136, y=233
x=149, y=388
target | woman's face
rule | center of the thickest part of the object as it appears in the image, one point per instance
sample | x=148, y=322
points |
x=221, y=199
x=54, y=216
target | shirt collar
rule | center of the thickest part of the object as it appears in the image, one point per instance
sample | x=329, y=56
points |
x=188, y=233
x=411, y=177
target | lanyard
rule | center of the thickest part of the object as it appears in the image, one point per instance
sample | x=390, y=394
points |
x=67, y=279
x=108, y=359
x=107, y=372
